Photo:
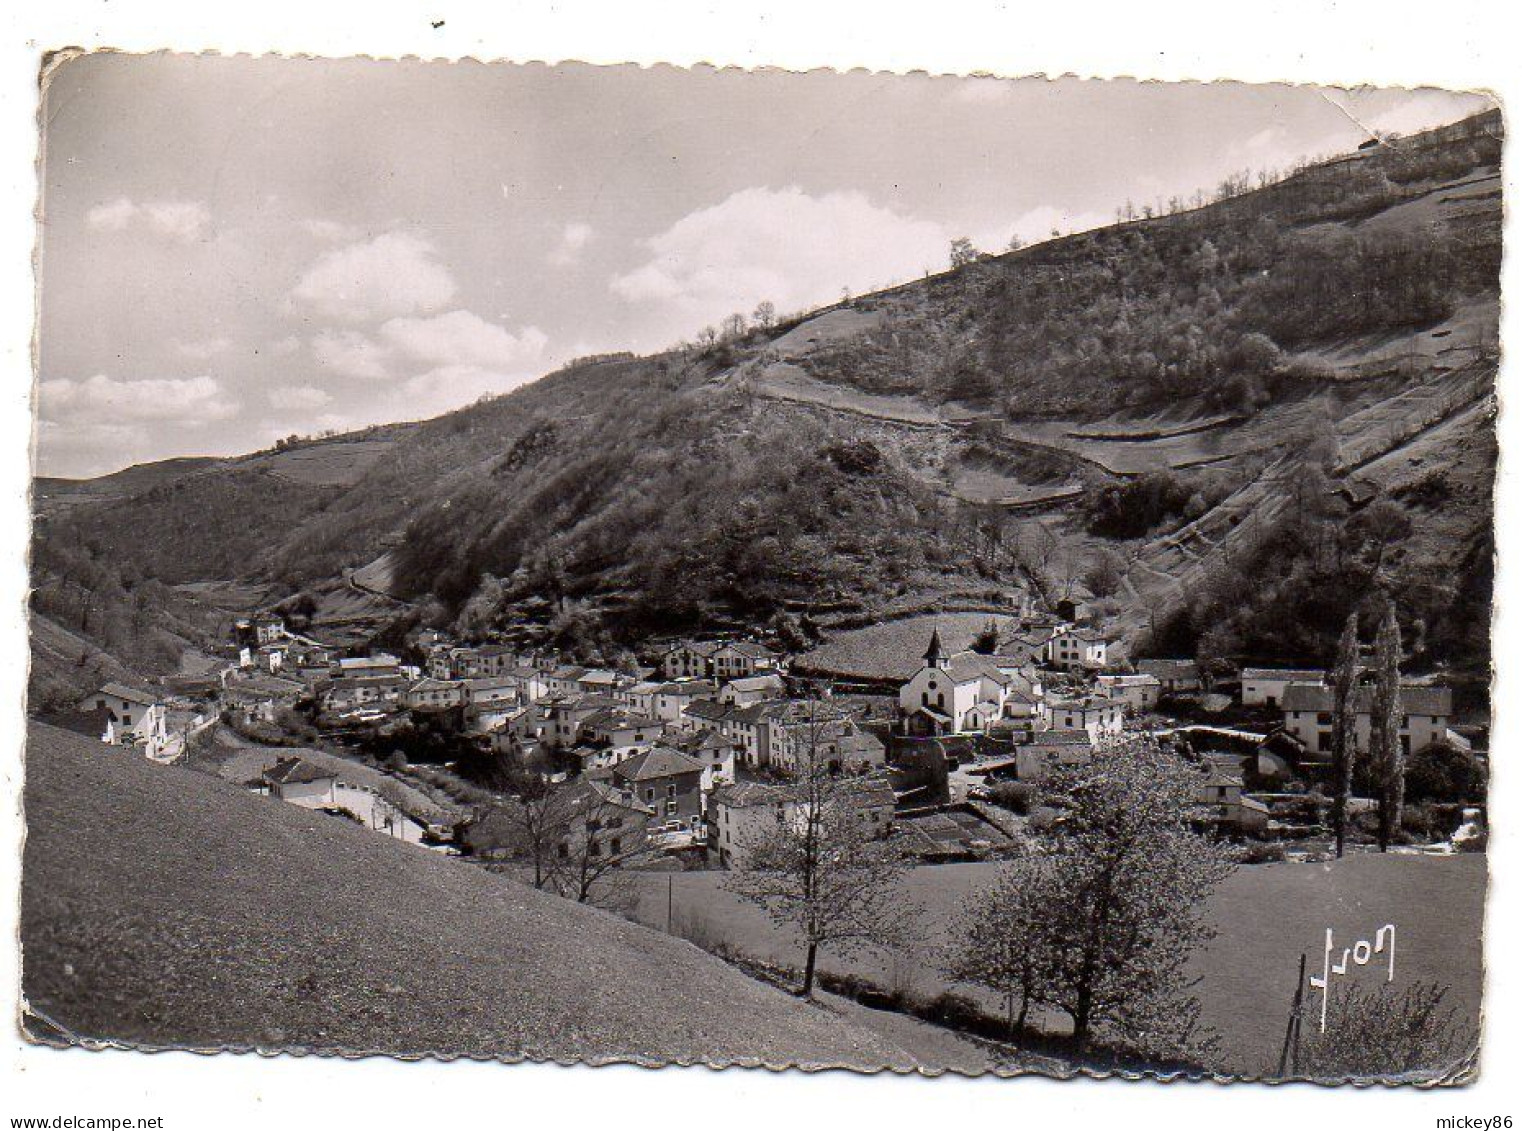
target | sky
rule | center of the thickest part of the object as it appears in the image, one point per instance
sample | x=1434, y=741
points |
x=233, y=250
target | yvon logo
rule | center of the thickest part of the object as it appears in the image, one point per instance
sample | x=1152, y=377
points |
x=1360, y=952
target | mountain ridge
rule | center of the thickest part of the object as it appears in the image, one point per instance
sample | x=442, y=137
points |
x=964, y=433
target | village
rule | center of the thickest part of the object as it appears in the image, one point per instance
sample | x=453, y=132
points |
x=678, y=763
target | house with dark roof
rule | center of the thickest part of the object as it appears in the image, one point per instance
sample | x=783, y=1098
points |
x=747, y=727
x=802, y=730
x=1173, y=676
x=557, y=718
x=669, y=701
x=620, y=730
x=1220, y=804
x=133, y=715
x=1078, y=649
x=715, y=750
x=1423, y=710
x=743, y=691
x=741, y=659
x=1050, y=749
x=1265, y=687
x=689, y=659
x=740, y=814
x=667, y=781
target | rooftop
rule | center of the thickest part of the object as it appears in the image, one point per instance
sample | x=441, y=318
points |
x=130, y=694
x=657, y=762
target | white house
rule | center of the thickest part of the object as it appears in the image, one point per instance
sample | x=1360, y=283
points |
x=740, y=814
x=134, y=716
x=434, y=694
x=1077, y=649
x=1264, y=687
x=746, y=690
x=740, y=659
x=300, y=782
x=1137, y=692
x=716, y=752
x=1423, y=710
x=1098, y=715
x=669, y=701
x=1052, y=749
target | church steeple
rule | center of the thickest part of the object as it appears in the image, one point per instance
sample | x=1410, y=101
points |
x=935, y=656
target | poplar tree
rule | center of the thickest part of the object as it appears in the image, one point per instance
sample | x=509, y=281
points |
x=1344, y=734
x=1389, y=759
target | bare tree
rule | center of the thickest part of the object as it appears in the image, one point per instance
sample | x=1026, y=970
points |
x=822, y=870
x=765, y=315
x=577, y=837
x=1344, y=737
x=732, y=328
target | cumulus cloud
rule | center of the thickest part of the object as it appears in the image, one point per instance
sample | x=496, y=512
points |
x=204, y=350
x=1408, y=111
x=350, y=353
x=112, y=217
x=298, y=398
x=402, y=345
x=330, y=230
x=462, y=338
x=451, y=386
x=1038, y=224
x=182, y=220
x=107, y=400
x=390, y=275
x=785, y=245
x=573, y=239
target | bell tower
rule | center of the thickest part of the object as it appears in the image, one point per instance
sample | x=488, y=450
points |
x=935, y=655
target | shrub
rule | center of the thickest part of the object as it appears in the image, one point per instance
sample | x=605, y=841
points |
x=955, y=1011
x=1384, y=1034
x=1263, y=852
x=1443, y=772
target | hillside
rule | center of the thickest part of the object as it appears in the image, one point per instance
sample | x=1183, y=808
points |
x=1133, y=406
x=163, y=908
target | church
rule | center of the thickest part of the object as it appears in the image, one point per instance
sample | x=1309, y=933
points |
x=962, y=692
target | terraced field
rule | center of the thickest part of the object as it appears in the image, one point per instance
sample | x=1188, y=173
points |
x=893, y=650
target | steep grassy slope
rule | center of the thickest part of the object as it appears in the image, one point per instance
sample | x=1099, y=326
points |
x=992, y=427
x=162, y=908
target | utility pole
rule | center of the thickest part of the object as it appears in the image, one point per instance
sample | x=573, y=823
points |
x=1289, y=1055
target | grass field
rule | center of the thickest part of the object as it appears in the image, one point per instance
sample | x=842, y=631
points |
x=895, y=649
x=1266, y=917
x=162, y=908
